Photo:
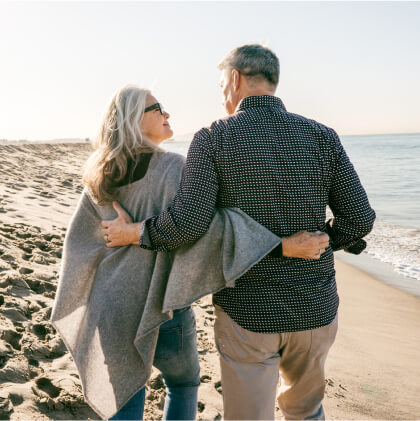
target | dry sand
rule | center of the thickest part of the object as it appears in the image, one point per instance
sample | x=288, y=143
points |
x=373, y=368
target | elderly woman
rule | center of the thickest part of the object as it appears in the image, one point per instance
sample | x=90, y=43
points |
x=128, y=160
x=121, y=310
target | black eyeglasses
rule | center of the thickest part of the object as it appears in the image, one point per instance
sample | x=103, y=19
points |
x=154, y=107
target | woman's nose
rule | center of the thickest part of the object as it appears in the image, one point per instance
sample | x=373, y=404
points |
x=166, y=115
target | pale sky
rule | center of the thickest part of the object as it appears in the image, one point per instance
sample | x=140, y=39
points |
x=354, y=66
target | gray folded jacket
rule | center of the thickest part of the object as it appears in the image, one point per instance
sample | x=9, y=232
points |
x=110, y=302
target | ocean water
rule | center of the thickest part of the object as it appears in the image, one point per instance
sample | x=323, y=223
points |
x=389, y=169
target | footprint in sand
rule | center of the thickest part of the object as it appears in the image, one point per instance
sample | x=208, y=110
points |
x=14, y=315
x=6, y=352
x=41, y=287
x=218, y=386
x=26, y=247
x=43, y=259
x=33, y=348
x=22, y=234
x=12, y=337
x=58, y=253
x=42, y=245
x=7, y=257
x=16, y=399
x=7, y=228
x=33, y=363
x=40, y=330
x=6, y=406
x=9, y=236
x=15, y=187
x=51, y=237
x=45, y=384
x=25, y=271
x=47, y=194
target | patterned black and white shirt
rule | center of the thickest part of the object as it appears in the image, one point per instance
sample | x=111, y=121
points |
x=283, y=170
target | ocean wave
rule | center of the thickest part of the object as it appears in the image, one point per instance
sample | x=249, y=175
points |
x=397, y=245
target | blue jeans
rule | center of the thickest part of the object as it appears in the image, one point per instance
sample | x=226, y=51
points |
x=176, y=357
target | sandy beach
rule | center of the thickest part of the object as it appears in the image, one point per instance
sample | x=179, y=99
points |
x=373, y=369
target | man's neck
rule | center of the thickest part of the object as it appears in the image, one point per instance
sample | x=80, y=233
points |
x=256, y=92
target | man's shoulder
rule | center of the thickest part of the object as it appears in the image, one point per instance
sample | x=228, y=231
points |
x=214, y=128
x=241, y=118
x=307, y=124
x=228, y=125
x=209, y=135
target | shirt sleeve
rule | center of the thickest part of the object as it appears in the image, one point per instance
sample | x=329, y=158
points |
x=192, y=210
x=353, y=215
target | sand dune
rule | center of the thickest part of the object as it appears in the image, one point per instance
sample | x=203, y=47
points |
x=373, y=368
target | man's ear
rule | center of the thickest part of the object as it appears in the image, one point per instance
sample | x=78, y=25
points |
x=236, y=80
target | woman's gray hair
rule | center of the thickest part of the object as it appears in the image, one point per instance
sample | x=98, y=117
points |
x=119, y=140
x=253, y=61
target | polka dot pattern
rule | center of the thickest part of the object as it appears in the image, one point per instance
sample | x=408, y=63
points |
x=283, y=170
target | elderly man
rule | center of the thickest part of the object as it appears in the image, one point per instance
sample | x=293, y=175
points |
x=282, y=169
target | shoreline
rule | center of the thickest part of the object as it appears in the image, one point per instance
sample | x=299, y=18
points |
x=382, y=271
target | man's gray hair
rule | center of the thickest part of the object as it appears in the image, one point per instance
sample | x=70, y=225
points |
x=253, y=61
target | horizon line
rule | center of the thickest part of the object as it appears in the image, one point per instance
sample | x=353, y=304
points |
x=88, y=139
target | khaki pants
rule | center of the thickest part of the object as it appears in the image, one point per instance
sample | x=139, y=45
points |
x=251, y=364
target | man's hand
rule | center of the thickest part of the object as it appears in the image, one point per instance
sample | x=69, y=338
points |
x=120, y=231
x=305, y=245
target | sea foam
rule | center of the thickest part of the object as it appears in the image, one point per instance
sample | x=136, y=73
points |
x=397, y=245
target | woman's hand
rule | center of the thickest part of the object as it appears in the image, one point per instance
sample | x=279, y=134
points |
x=121, y=231
x=305, y=245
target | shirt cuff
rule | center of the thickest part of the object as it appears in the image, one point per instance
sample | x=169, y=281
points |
x=277, y=251
x=356, y=248
x=353, y=247
x=145, y=240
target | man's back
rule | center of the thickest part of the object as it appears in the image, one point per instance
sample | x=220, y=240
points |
x=283, y=170
x=274, y=165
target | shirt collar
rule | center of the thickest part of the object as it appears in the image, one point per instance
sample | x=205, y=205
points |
x=260, y=101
